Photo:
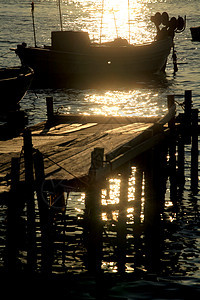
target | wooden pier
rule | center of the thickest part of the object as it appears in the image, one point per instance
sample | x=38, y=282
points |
x=81, y=153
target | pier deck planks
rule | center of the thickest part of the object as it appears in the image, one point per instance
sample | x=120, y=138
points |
x=67, y=147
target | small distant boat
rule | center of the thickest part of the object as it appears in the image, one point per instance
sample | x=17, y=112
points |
x=73, y=59
x=195, y=32
x=14, y=82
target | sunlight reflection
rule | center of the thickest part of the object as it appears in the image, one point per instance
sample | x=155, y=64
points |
x=133, y=102
x=109, y=266
x=116, y=19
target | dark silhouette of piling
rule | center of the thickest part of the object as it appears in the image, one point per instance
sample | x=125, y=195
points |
x=93, y=213
x=13, y=219
x=29, y=192
x=172, y=152
x=122, y=218
x=50, y=111
x=45, y=216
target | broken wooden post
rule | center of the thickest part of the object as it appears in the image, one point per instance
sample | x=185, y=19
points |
x=12, y=219
x=29, y=189
x=194, y=151
x=50, y=113
x=93, y=213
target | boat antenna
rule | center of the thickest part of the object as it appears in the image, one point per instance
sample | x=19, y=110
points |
x=59, y=6
x=102, y=11
x=115, y=23
x=32, y=11
x=129, y=24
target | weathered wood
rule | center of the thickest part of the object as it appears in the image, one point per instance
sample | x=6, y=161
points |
x=102, y=119
x=137, y=150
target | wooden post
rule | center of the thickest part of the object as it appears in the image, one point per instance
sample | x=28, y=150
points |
x=138, y=195
x=194, y=151
x=152, y=210
x=29, y=186
x=50, y=113
x=187, y=117
x=93, y=213
x=181, y=161
x=44, y=212
x=12, y=219
x=172, y=153
x=121, y=225
x=170, y=103
x=188, y=106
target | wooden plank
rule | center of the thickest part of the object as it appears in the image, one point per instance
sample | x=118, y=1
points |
x=63, y=129
x=103, y=119
x=67, y=147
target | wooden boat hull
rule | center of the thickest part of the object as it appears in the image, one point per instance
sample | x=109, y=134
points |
x=14, y=82
x=95, y=64
x=195, y=32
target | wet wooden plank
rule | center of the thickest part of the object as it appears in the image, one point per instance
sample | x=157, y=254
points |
x=67, y=147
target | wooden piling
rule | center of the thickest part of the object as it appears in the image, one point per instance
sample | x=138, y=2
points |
x=50, y=112
x=29, y=188
x=188, y=106
x=138, y=194
x=122, y=218
x=187, y=116
x=181, y=161
x=152, y=210
x=172, y=152
x=93, y=213
x=194, y=151
x=12, y=219
x=45, y=216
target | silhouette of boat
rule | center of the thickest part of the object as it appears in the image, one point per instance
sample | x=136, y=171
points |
x=14, y=82
x=195, y=32
x=72, y=58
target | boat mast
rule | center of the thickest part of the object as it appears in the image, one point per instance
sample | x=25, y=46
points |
x=129, y=28
x=32, y=11
x=102, y=11
x=61, y=25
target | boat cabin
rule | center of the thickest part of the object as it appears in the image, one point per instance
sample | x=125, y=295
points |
x=69, y=40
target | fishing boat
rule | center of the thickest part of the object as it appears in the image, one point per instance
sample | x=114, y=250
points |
x=195, y=32
x=73, y=59
x=14, y=83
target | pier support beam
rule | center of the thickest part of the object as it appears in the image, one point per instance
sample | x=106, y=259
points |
x=121, y=225
x=13, y=220
x=93, y=213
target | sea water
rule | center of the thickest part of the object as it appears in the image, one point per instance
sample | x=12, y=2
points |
x=143, y=98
